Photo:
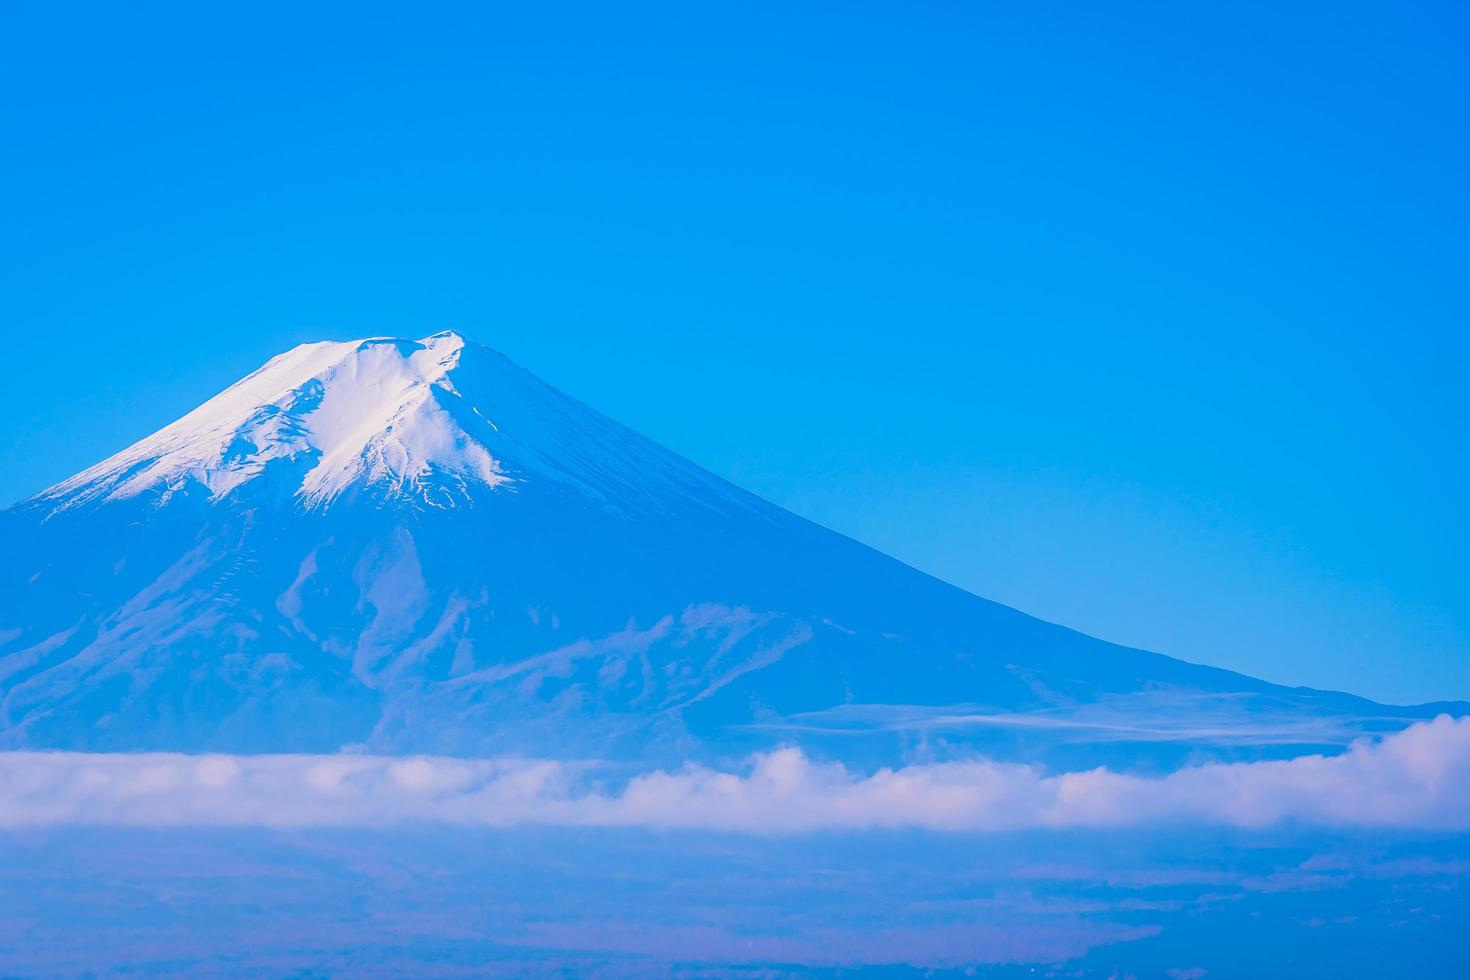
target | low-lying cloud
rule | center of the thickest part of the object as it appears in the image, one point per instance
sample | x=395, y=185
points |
x=1202, y=718
x=1417, y=778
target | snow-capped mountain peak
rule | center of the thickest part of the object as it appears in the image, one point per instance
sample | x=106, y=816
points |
x=416, y=546
x=434, y=422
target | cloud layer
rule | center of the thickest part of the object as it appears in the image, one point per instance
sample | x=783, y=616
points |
x=1197, y=718
x=1417, y=778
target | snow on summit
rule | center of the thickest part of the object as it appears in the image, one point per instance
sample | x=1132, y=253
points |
x=434, y=422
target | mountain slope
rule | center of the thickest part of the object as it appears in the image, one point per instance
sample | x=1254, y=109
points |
x=416, y=546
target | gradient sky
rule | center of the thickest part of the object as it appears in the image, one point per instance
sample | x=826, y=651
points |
x=1150, y=320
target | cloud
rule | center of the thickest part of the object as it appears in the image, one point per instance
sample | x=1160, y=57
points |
x=1144, y=716
x=1417, y=778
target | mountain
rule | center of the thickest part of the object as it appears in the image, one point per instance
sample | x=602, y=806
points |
x=409, y=546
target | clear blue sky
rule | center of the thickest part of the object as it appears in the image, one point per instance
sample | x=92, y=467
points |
x=1147, y=318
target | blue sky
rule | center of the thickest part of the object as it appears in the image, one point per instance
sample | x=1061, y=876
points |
x=1148, y=320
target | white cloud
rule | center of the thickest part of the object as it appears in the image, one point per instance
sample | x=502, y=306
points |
x=1417, y=778
x=1142, y=716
